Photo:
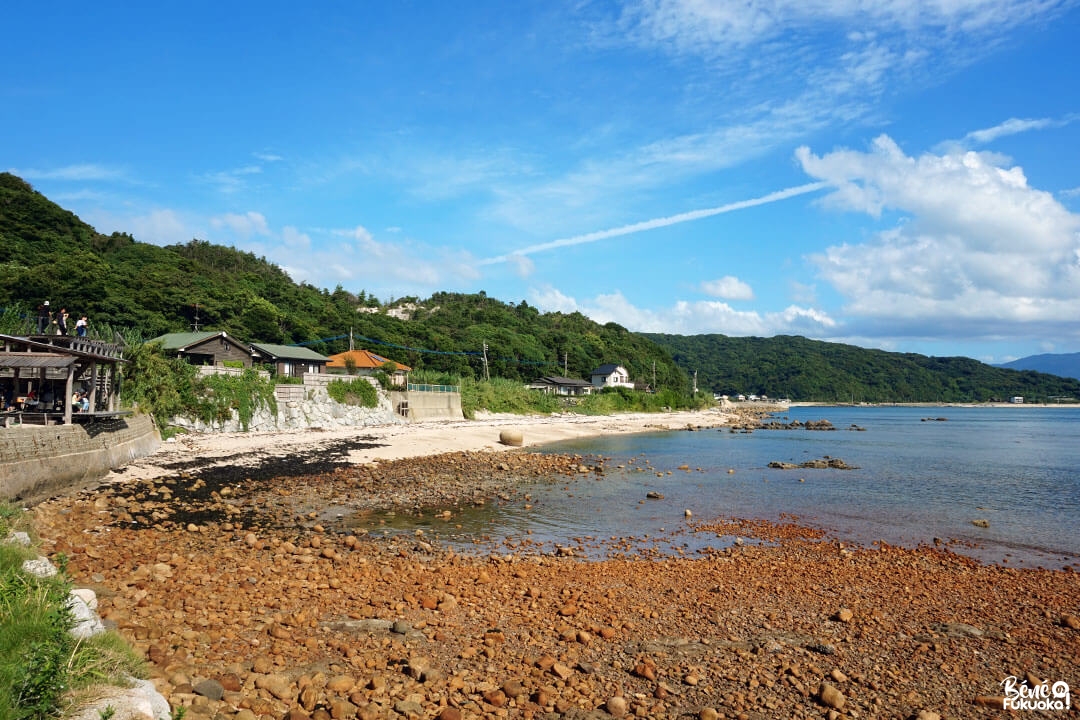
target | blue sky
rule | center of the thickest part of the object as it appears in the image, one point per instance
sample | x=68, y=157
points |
x=889, y=173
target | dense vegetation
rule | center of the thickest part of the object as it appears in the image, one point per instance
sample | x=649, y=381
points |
x=139, y=291
x=168, y=387
x=803, y=369
x=46, y=252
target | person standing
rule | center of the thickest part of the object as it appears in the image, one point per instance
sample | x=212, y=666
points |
x=44, y=318
x=80, y=326
x=61, y=321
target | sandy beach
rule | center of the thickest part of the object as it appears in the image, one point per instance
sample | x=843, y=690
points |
x=395, y=442
x=251, y=602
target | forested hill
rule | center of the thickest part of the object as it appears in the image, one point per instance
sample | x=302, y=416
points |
x=48, y=253
x=811, y=370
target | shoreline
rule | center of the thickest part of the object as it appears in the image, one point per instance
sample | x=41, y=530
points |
x=257, y=606
x=414, y=440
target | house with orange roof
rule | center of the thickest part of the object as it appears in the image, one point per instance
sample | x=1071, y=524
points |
x=365, y=362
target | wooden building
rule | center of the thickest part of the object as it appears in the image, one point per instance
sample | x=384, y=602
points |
x=289, y=360
x=214, y=347
x=39, y=375
x=555, y=385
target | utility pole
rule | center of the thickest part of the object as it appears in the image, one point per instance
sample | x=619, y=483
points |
x=564, y=356
x=654, y=376
x=695, y=382
x=487, y=375
x=350, y=340
x=195, y=325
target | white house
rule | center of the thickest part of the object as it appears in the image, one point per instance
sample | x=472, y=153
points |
x=610, y=375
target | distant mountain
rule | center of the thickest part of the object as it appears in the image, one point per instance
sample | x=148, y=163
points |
x=812, y=370
x=1063, y=364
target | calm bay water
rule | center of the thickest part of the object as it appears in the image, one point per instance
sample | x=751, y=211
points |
x=1017, y=468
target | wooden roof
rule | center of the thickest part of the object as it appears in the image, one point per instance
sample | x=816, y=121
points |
x=36, y=360
x=39, y=349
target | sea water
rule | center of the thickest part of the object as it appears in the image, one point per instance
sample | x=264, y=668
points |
x=919, y=474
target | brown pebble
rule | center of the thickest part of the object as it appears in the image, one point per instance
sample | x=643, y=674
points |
x=831, y=697
x=616, y=706
x=994, y=701
x=495, y=697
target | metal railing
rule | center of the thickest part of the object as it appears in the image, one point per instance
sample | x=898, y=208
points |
x=422, y=387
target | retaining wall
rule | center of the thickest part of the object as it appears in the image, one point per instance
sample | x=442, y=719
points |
x=420, y=406
x=300, y=407
x=36, y=460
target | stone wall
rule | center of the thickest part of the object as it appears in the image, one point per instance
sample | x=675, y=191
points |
x=301, y=407
x=35, y=460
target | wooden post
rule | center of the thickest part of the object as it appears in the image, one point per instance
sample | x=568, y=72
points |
x=93, y=385
x=67, y=394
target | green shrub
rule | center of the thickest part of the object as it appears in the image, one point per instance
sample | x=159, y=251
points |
x=500, y=395
x=168, y=387
x=353, y=392
x=159, y=386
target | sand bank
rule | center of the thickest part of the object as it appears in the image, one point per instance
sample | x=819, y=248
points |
x=396, y=442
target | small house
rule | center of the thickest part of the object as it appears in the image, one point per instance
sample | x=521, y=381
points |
x=555, y=385
x=213, y=347
x=290, y=360
x=365, y=362
x=610, y=375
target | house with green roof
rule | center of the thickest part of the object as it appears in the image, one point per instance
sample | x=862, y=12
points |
x=290, y=360
x=212, y=347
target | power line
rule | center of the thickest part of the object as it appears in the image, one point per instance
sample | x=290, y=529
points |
x=463, y=353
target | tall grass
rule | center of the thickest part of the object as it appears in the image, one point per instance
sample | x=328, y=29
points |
x=40, y=661
x=500, y=395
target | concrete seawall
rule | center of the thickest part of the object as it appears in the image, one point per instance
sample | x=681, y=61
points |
x=35, y=461
x=420, y=406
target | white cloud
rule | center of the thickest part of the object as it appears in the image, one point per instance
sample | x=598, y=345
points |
x=230, y=181
x=728, y=287
x=687, y=318
x=979, y=251
x=355, y=256
x=243, y=224
x=160, y=227
x=522, y=264
x=267, y=157
x=1012, y=126
x=654, y=223
x=802, y=293
x=703, y=27
x=295, y=239
x=81, y=172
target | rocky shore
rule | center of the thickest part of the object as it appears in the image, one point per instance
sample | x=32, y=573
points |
x=252, y=599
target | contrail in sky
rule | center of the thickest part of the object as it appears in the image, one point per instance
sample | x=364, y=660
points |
x=657, y=222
